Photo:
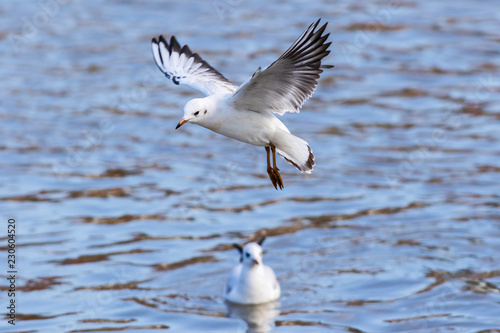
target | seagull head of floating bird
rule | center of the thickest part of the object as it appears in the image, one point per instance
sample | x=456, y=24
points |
x=251, y=254
x=195, y=112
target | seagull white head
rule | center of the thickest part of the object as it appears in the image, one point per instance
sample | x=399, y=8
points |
x=195, y=112
x=251, y=254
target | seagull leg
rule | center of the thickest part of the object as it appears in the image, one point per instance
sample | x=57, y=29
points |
x=270, y=170
x=276, y=171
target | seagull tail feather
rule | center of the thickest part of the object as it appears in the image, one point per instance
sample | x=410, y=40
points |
x=295, y=150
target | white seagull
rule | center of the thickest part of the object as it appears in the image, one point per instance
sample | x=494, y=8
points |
x=245, y=113
x=251, y=282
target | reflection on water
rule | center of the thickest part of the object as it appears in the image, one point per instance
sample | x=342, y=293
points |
x=259, y=318
x=125, y=224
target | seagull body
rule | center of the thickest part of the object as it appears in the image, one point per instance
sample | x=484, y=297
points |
x=246, y=113
x=260, y=127
x=251, y=282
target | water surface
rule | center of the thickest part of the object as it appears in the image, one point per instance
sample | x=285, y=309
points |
x=125, y=224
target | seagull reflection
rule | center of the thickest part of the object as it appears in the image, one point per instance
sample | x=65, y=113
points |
x=259, y=318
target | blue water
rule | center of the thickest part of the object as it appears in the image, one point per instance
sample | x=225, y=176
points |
x=124, y=224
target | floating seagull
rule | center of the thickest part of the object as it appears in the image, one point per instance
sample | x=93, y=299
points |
x=245, y=113
x=251, y=282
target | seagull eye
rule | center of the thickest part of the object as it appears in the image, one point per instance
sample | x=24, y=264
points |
x=197, y=113
x=247, y=254
x=205, y=112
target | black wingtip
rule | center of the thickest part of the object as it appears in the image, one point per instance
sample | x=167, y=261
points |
x=261, y=240
x=162, y=39
x=314, y=25
x=174, y=45
x=238, y=247
x=185, y=49
x=324, y=25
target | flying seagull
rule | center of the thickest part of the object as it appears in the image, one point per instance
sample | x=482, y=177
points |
x=252, y=282
x=246, y=113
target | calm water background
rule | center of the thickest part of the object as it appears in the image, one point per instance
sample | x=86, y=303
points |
x=126, y=225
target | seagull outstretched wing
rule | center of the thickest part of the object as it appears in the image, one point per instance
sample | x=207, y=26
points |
x=288, y=82
x=185, y=67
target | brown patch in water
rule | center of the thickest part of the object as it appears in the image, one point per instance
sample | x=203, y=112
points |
x=143, y=301
x=119, y=173
x=134, y=285
x=27, y=197
x=250, y=207
x=23, y=317
x=299, y=323
x=145, y=237
x=41, y=283
x=120, y=219
x=183, y=263
x=359, y=302
x=467, y=275
x=406, y=92
x=99, y=193
x=333, y=130
x=415, y=318
x=124, y=328
x=411, y=242
x=373, y=26
x=318, y=220
x=94, y=68
x=355, y=101
x=83, y=259
x=107, y=320
x=488, y=168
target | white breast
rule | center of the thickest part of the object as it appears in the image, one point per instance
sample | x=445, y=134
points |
x=255, y=128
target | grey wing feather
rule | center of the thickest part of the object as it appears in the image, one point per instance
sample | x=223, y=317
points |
x=288, y=82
